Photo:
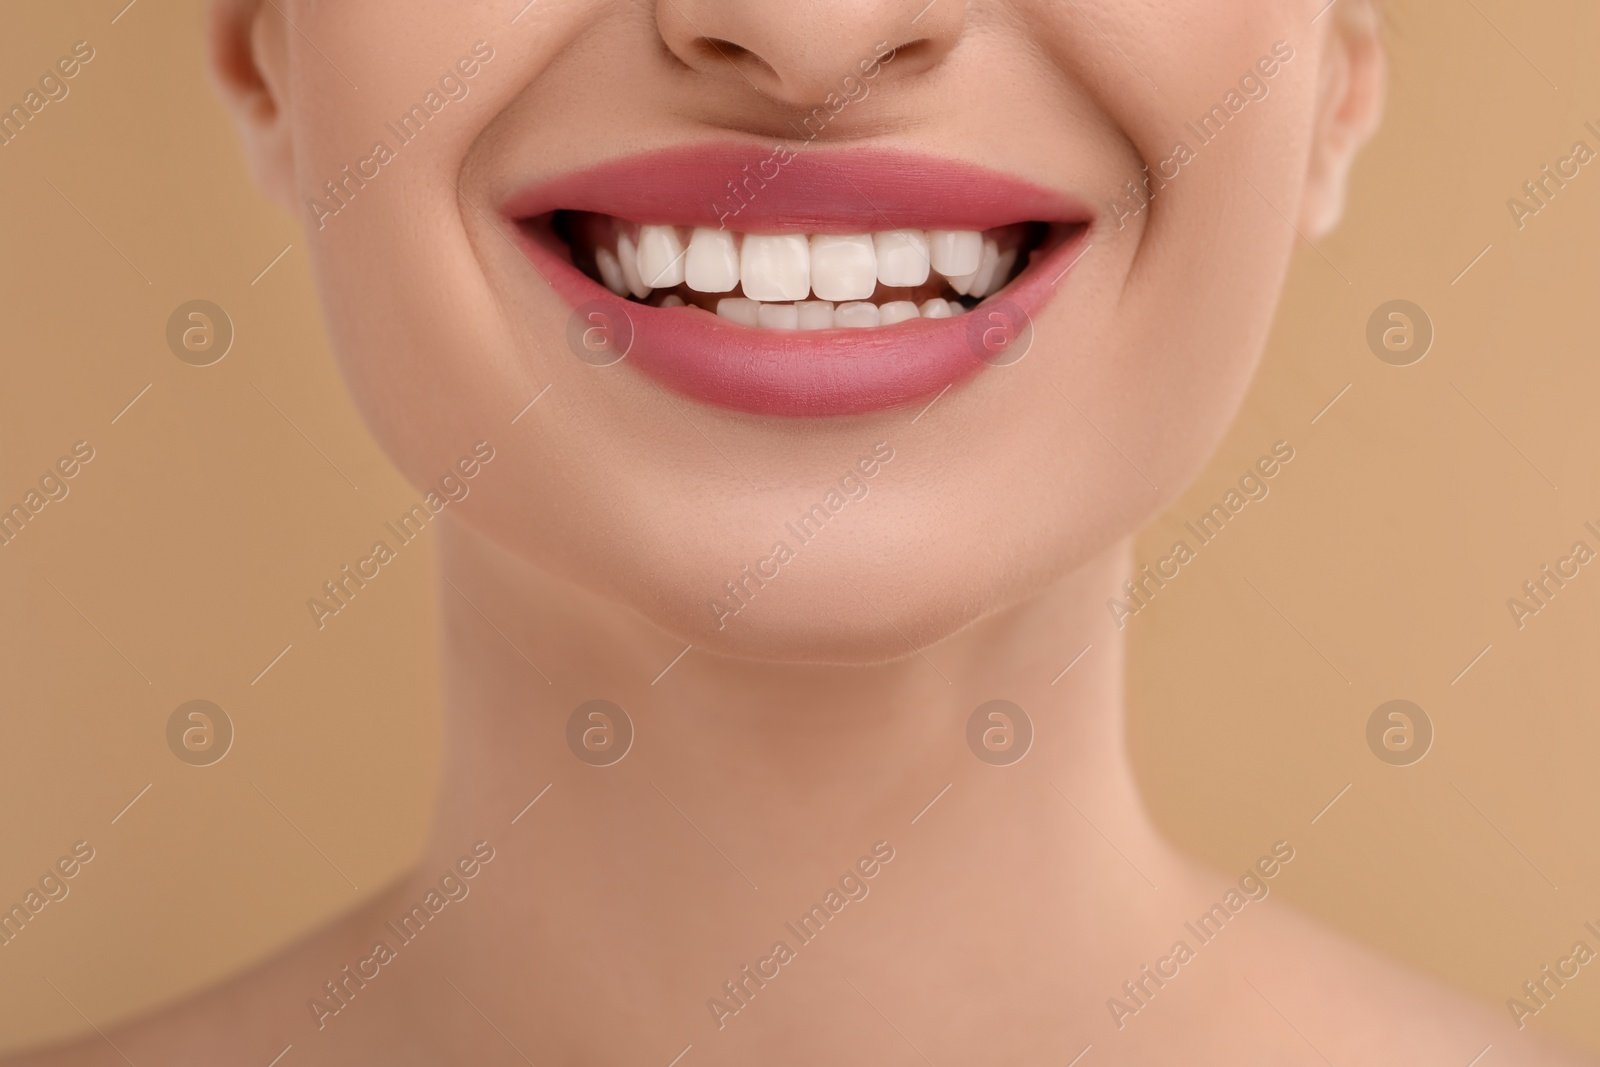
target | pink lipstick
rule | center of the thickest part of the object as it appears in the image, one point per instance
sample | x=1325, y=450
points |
x=800, y=283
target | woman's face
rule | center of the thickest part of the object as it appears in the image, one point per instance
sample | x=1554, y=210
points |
x=492, y=172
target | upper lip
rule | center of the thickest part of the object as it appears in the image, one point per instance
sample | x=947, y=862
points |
x=757, y=188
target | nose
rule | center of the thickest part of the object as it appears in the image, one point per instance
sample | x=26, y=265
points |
x=799, y=51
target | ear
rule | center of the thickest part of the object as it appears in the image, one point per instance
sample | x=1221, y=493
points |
x=1349, y=106
x=248, y=51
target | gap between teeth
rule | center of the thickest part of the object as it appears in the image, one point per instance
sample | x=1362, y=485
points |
x=796, y=281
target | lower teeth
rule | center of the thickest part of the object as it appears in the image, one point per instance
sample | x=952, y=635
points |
x=824, y=314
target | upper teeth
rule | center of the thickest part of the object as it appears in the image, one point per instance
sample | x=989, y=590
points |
x=843, y=268
x=793, y=267
x=774, y=268
x=660, y=256
x=902, y=256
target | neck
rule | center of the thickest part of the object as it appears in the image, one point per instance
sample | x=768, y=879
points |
x=750, y=788
x=786, y=744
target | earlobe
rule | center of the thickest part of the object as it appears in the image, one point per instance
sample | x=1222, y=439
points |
x=248, y=56
x=1349, y=107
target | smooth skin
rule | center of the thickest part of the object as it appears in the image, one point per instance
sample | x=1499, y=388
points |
x=809, y=728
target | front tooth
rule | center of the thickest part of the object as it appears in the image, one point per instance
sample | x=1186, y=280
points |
x=954, y=252
x=712, y=263
x=902, y=256
x=859, y=313
x=896, y=311
x=966, y=284
x=671, y=300
x=956, y=308
x=605, y=262
x=740, y=309
x=778, y=317
x=933, y=308
x=776, y=266
x=660, y=256
x=628, y=257
x=815, y=314
x=843, y=267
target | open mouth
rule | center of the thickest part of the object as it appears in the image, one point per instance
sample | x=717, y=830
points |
x=800, y=283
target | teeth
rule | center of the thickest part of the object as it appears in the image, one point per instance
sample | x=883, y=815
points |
x=712, y=264
x=774, y=274
x=628, y=257
x=661, y=256
x=902, y=256
x=823, y=314
x=740, y=309
x=815, y=314
x=858, y=313
x=989, y=262
x=843, y=267
x=1002, y=270
x=988, y=276
x=610, y=270
x=775, y=267
x=778, y=317
x=954, y=252
x=896, y=311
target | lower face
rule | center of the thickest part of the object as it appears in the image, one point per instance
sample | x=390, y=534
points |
x=815, y=377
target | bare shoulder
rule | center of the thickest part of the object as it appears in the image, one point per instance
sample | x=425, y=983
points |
x=250, y=1017
x=1354, y=1005
x=211, y=1025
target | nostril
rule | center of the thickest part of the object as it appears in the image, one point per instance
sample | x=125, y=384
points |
x=727, y=48
x=716, y=49
x=915, y=56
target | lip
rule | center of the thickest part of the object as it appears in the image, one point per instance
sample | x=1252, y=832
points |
x=802, y=373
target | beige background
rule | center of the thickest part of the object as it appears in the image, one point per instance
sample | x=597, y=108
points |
x=179, y=565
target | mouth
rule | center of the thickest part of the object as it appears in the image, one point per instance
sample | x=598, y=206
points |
x=801, y=283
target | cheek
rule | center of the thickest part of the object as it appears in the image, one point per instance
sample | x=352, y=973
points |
x=400, y=284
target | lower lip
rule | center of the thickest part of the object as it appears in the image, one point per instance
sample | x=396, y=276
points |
x=811, y=373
